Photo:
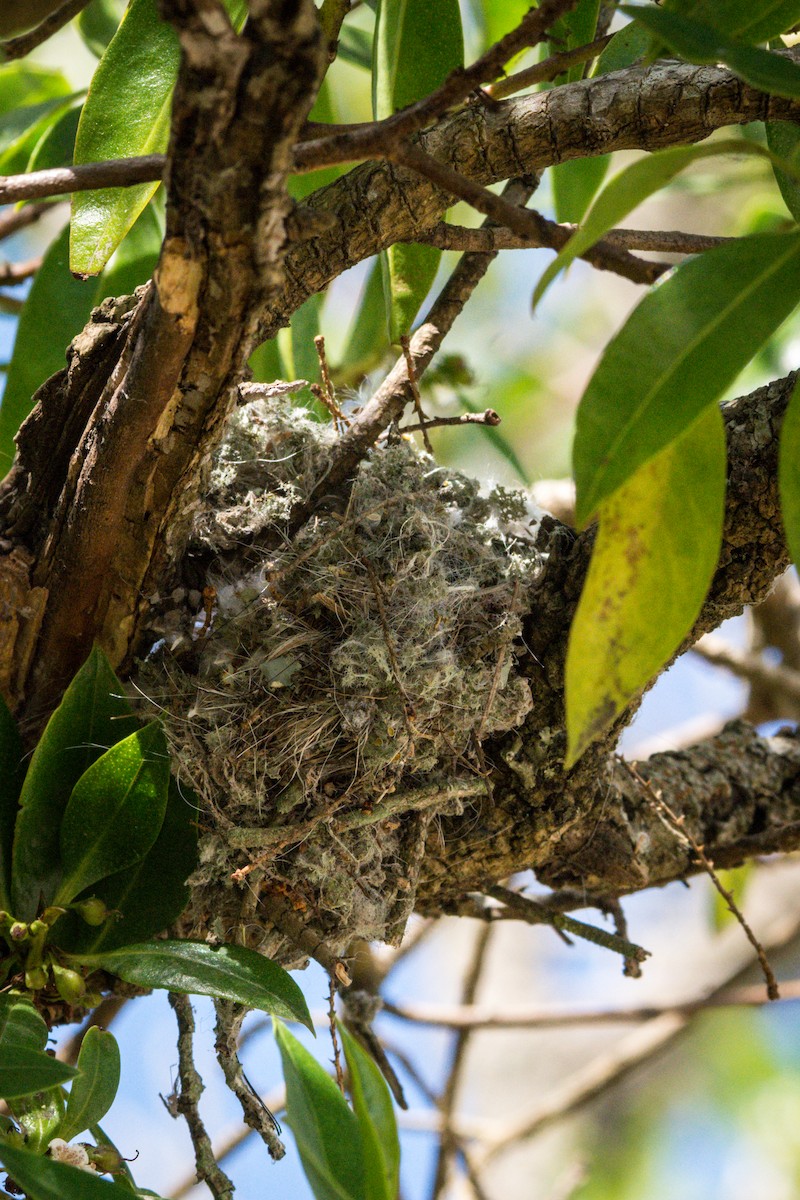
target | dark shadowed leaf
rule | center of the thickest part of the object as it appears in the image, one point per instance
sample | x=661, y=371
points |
x=653, y=560
x=196, y=968
x=24, y=1071
x=747, y=20
x=92, y=716
x=20, y=1024
x=678, y=351
x=372, y=1103
x=43, y=1179
x=115, y=812
x=93, y=1092
x=326, y=1129
x=98, y=23
x=783, y=139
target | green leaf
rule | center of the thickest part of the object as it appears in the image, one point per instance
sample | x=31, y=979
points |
x=33, y=124
x=148, y=897
x=655, y=554
x=699, y=43
x=126, y=114
x=324, y=111
x=408, y=271
x=92, y=716
x=326, y=1130
x=678, y=351
x=43, y=1179
x=266, y=362
x=416, y=46
x=626, y=47
x=93, y=1092
x=12, y=772
x=372, y=1103
x=574, y=184
x=355, y=46
x=629, y=189
x=56, y=146
x=115, y=811
x=783, y=139
x=500, y=17
x=789, y=474
x=748, y=20
x=39, y=1118
x=24, y=1071
x=23, y=84
x=367, y=340
x=20, y=1025
x=227, y=972
x=576, y=28
x=98, y=23
x=735, y=882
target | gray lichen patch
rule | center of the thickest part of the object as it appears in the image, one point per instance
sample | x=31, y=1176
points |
x=338, y=675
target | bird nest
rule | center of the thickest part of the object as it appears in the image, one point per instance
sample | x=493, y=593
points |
x=327, y=698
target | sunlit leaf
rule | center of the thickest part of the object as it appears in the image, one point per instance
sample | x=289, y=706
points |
x=326, y=1129
x=654, y=557
x=93, y=715
x=227, y=972
x=24, y=1071
x=372, y=1103
x=700, y=43
x=687, y=340
x=93, y=1092
x=115, y=811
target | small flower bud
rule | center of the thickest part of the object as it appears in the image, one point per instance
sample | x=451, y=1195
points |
x=105, y=1159
x=93, y=911
x=70, y=986
x=19, y=931
x=35, y=979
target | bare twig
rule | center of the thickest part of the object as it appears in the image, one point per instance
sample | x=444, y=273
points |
x=678, y=825
x=374, y=138
x=256, y=1114
x=549, y=68
x=491, y=239
x=749, y=665
x=535, y=913
x=188, y=1101
x=19, y=218
x=11, y=273
x=412, y=381
x=448, y=1144
x=326, y=394
x=337, y=1055
x=524, y=221
x=18, y=47
x=58, y=181
x=455, y=1016
x=488, y=417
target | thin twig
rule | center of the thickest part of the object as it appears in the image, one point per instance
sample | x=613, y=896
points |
x=524, y=221
x=488, y=417
x=678, y=825
x=18, y=47
x=537, y=914
x=550, y=68
x=337, y=1056
x=455, y=1016
x=448, y=1145
x=326, y=393
x=492, y=239
x=19, y=218
x=188, y=1101
x=256, y=1114
x=746, y=664
x=11, y=273
x=412, y=381
x=58, y=181
x=374, y=138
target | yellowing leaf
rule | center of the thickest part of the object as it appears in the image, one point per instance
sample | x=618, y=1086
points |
x=655, y=554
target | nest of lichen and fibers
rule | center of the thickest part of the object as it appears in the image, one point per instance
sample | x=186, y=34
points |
x=356, y=668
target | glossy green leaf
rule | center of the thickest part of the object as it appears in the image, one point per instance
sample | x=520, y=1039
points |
x=575, y=184
x=57, y=308
x=679, y=350
x=652, y=563
x=39, y=1118
x=20, y=1024
x=783, y=139
x=93, y=1092
x=43, y=1179
x=704, y=44
x=148, y=897
x=747, y=20
x=227, y=972
x=24, y=1071
x=98, y=23
x=115, y=811
x=416, y=46
x=627, y=190
x=789, y=474
x=326, y=1129
x=372, y=1103
x=126, y=114
x=92, y=716
x=12, y=772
